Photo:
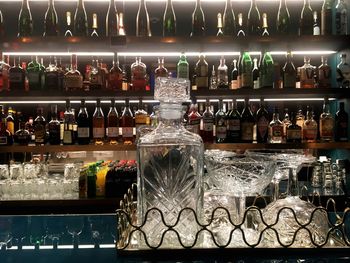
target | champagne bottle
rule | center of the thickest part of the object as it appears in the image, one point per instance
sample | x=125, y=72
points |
x=254, y=20
x=245, y=71
x=326, y=17
x=25, y=21
x=219, y=25
x=112, y=20
x=306, y=19
x=51, y=20
x=80, y=20
x=283, y=24
x=229, y=20
x=266, y=71
x=169, y=20
x=198, y=20
x=94, y=25
x=143, y=27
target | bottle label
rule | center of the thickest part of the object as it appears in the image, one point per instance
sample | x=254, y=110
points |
x=262, y=125
x=316, y=31
x=203, y=71
x=127, y=132
x=10, y=127
x=310, y=133
x=234, y=125
x=3, y=140
x=83, y=132
x=202, y=82
x=39, y=132
x=33, y=78
x=182, y=72
x=67, y=137
x=293, y=134
x=16, y=77
x=113, y=132
x=277, y=132
x=326, y=128
x=289, y=81
x=341, y=22
x=247, y=131
x=246, y=79
x=95, y=80
x=221, y=132
x=140, y=119
x=234, y=84
x=306, y=77
x=73, y=82
x=208, y=125
x=98, y=132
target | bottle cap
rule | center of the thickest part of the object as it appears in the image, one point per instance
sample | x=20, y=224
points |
x=171, y=90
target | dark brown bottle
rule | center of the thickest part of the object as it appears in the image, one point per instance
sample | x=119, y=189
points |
x=341, y=124
x=113, y=124
x=40, y=128
x=208, y=124
x=233, y=123
x=68, y=133
x=83, y=125
x=126, y=122
x=54, y=127
x=262, y=123
x=17, y=76
x=220, y=124
x=5, y=136
x=293, y=131
x=247, y=123
x=98, y=124
x=22, y=135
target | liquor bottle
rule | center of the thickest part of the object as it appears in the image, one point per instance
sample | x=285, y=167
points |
x=326, y=17
x=306, y=19
x=142, y=118
x=255, y=74
x=115, y=77
x=207, y=133
x=265, y=26
x=245, y=71
x=341, y=18
x=81, y=27
x=83, y=136
x=102, y=68
x=307, y=74
x=5, y=136
x=16, y=76
x=94, y=25
x=194, y=118
x=51, y=76
x=98, y=124
x=293, y=131
x=25, y=21
x=234, y=76
x=254, y=20
x=324, y=76
x=160, y=71
x=73, y=80
x=2, y=25
x=54, y=127
x=39, y=126
x=69, y=29
x=219, y=25
x=310, y=127
x=222, y=74
x=113, y=124
x=289, y=73
x=275, y=129
x=22, y=135
x=300, y=117
x=286, y=122
x=95, y=76
x=30, y=127
x=10, y=121
x=183, y=67
x=283, y=23
x=143, y=27
x=138, y=75
x=198, y=20
x=316, y=25
x=68, y=132
x=262, y=123
x=326, y=123
x=213, y=81
x=127, y=124
x=229, y=20
x=343, y=72
x=121, y=28
x=201, y=73
x=4, y=73
x=240, y=29
x=247, y=123
x=51, y=21
x=266, y=71
x=233, y=118
x=220, y=124
x=341, y=124
x=34, y=74
x=112, y=20
x=169, y=20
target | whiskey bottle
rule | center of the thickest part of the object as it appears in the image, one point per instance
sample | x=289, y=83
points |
x=138, y=75
x=81, y=27
x=25, y=21
x=73, y=80
x=300, y=117
x=39, y=126
x=51, y=76
x=234, y=75
x=112, y=20
x=262, y=123
x=229, y=20
x=275, y=129
x=201, y=71
x=266, y=71
x=289, y=73
x=4, y=73
x=160, y=71
x=127, y=124
x=113, y=124
x=5, y=136
x=34, y=74
x=324, y=76
x=98, y=124
x=194, y=118
x=169, y=20
x=183, y=67
x=68, y=132
x=22, y=135
x=307, y=74
x=222, y=78
x=54, y=127
x=10, y=121
x=310, y=127
x=17, y=76
x=143, y=27
x=254, y=20
x=51, y=20
x=115, y=77
x=207, y=133
x=83, y=136
x=306, y=19
x=142, y=118
x=343, y=72
x=198, y=20
x=247, y=123
x=293, y=132
x=220, y=124
x=286, y=122
x=213, y=80
x=95, y=76
x=326, y=123
x=233, y=118
x=341, y=124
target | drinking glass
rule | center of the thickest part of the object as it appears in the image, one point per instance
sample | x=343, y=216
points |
x=19, y=230
x=55, y=229
x=97, y=229
x=5, y=231
x=74, y=225
x=16, y=171
x=4, y=178
x=36, y=230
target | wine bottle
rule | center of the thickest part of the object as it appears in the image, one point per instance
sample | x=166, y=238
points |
x=69, y=119
x=25, y=21
x=112, y=20
x=326, y=17
x=80, y=20
x=245, y=71
x=98, y=124
x=198, y=20
x=283, y=24
x=2, y=25
x=229, y=20
x=266, y=71
x=254, y=20
x=233, y=123
x=83, y=124
x=69, y=30
x=247, y=123
x=262, y=123
x=341, y=18
x=183, y=67
x=54, y=127
x=306, y=19
x=143, y=27
x=341, y=124
x=169, y=20
x=40, y=128
x=208, y=124
x=51, y=20
x=113, y=124
x=289, y=73
x=126, y=122
x=220, y=124
x=94, y=25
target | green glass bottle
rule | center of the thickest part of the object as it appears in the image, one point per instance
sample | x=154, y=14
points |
x=183, y=67
x=254, y=20
x=198, y=20
x=51, y=20
x=283, y=25
x=169, y=20
x=80, y=20
x=245, y=71
x=25, y=21
x=112, y=20
x=229, y=20
x=306, y=24
x=34, y=74
x=143, y=27
x=266, y=71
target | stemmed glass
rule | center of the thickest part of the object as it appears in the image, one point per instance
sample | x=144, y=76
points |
x=97, y=229
x=74, y=226
x=19, y=230
x=5, y=231
x=36, y=230
x=55, y=229
x=4, y=180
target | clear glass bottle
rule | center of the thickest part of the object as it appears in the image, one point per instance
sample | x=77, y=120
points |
x=170, y=165
x=326, y=123
x=222, y=74
x=98, y=124
x=276, y=129
x=343, y=72
x=138, y=75
x=310, y=127
x=143, y=27
x=307, y=74
x=324, y=74
x=341, y=18
x=161, y=71
x=73, y=80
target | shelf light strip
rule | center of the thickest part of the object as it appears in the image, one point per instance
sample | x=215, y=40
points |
x=165, y=54
x=183, y=1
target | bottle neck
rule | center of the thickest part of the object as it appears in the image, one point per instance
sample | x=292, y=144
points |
x=276, y=116
x=198, y=4
x=170, y=115
x=307, y=3
x=309, y=115
x=283, y=4
x=253, y=4
x=25, y=4
x=81, y=3
x=326, y=108
x=51, y=3
x=341, y=106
